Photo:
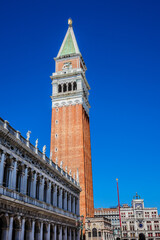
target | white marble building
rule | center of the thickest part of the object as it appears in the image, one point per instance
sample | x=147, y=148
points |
x=139, y=222
x=38, y=199
x=98, y=228
x=113, y=215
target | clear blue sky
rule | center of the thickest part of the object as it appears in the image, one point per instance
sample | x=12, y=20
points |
x=120, y=43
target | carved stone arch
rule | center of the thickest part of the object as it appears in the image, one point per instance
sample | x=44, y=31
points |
x=4, y=221
x=28, y=225
x=69, y=86
x=94, y=232
x=64, y=87
x=37, y=227
x=59, y=88
x=17, y=223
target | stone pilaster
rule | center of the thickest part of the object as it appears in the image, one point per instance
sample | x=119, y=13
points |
x=69, y=203
x=14, y=175
x=2, y=164
x=49, y=193
x=55, y=232
x=34, y=184
x=60, y=197
x=65, y=233
x=60, y=232
x=65, y=200
x=23, y=228
x=25, y=180
x=10, y=228
x=41, y=192
x=74, y=207
x=55, y=196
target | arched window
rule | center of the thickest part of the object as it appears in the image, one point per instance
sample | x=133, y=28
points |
x=71, y=204
x=27, y=229
x=3, y=225
x=69, y=87
x=7, y=173
x=63, y=199
x=67, y=202
x=57, y=197
x=52, y=191
x=64, y=87
x=29, y=182
x=74, y=86
x=37, y=230
x=16, y=229
x=94, y=232
x=59, y=88
x=19, y=178
x=45, y=230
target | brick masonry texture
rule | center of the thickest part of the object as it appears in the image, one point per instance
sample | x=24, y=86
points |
x=75, y=64
x=70, y=143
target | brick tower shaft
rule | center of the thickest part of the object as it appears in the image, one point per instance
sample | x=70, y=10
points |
x=70, y=128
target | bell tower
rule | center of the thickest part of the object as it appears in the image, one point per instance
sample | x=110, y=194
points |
x=70, y=130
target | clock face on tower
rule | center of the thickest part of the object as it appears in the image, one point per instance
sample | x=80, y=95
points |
x=138, y=205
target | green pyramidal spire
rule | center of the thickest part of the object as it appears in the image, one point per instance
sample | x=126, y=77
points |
x=69, y=45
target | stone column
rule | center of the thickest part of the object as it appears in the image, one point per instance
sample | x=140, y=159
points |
x=10, y=228
x=10, y=174
x=74, y=207
x=23, y=228
x=74, y=234
x=33, y=228
x=55, y=196
x=55, y=232
x=60, y=232
x=22, y=180
x=2, y=164
x=4, y=234
x=25, y=180
x=65, y=233
x=49, y=193
x=18, y=234
x=48, y=236
x=69, y=203
x=42, y=189
x=41, y=232
x=14, y=175
x=34, y=184
x=60, y=198
x=65, y=200
x=29, y=234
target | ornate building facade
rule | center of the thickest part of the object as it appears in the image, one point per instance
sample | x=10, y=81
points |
x=98, y=229
x=113, y=215
x=38, y=199
x=139, y=222
x=70, y=130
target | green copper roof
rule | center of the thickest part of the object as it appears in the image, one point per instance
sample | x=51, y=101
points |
x=68, y=47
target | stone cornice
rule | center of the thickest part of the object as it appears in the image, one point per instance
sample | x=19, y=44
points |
x=45, y=165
